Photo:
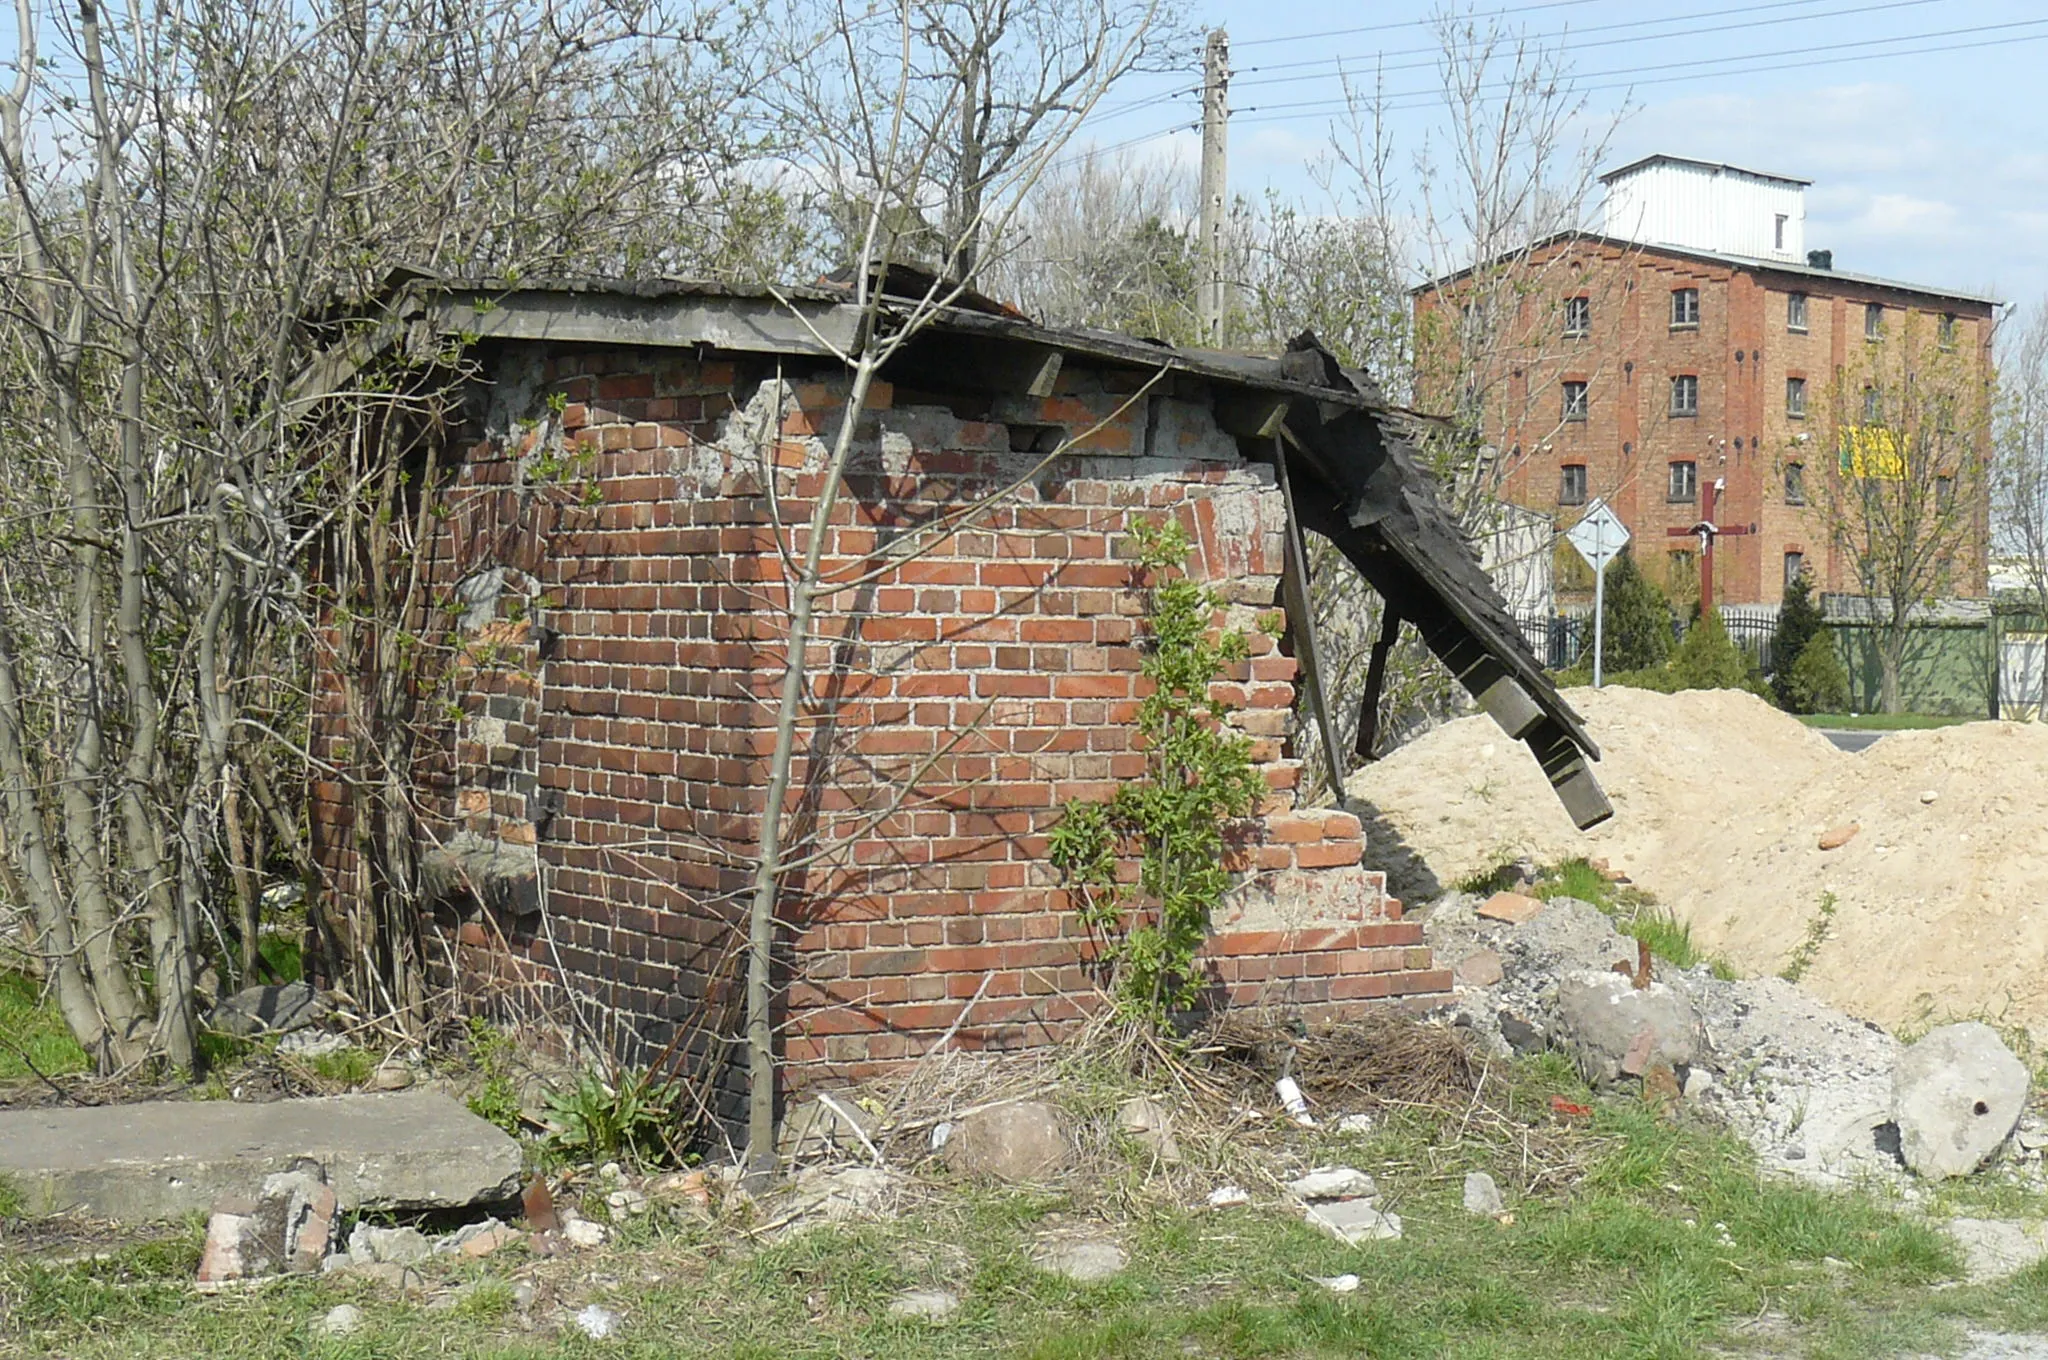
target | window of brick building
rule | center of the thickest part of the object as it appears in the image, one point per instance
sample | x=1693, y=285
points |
x=1795, y=397
x=1944, y=492
x=1873, y=321
x=1575, y=402
x=1873, y=406
x=1685, y=307
x=1778, y=236
x=1795, y=562
x=1571, y=484
x=1795, y=312
x=1795, y=483
x=1578, y=316
x=1685, y=395
x=1948, y=330
x=1681, y=570
x=1685, y=482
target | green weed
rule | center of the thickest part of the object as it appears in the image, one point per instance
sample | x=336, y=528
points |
x=1817, y=932
x=36, y=1039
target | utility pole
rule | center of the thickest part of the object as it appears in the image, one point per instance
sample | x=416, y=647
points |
x=1212, y=296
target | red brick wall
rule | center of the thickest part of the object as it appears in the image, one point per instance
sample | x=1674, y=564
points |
x=997, y=673
x=1742, y=432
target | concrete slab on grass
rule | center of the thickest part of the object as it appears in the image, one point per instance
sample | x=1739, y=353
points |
x=165, y=1159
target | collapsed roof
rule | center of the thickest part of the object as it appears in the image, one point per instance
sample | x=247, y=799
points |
x=1346, y=459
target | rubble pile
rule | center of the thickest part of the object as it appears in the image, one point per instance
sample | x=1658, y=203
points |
x=1817, y=1093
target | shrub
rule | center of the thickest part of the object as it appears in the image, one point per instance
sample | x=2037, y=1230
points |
x=1635, y=621
x=1799, y=621
x=1818, y=682
x=1709, y=659
x=1198, y=779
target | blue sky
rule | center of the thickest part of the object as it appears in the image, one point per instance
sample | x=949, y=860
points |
x=1928, y=166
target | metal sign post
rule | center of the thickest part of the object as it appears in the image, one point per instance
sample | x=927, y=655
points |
x=1599, y=536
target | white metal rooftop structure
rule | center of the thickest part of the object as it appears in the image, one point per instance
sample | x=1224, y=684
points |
x=1706, y=205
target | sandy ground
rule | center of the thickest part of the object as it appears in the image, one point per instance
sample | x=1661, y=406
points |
x=1941, y=899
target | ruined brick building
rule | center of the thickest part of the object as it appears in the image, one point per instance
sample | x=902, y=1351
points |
x=605, y=555
x=1697, y=340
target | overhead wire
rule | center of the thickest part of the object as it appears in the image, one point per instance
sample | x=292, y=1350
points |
x=1400, y=99
x=1419, y=99
x=1410, y=23
x=1570, y=37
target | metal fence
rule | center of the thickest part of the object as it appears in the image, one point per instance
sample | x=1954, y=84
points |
x=1560, y=638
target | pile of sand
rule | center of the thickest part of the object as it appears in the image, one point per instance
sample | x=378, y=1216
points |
x=1940, y=900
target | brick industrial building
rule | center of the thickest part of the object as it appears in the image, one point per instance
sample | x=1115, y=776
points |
x=1697, y=340
x=590, y=798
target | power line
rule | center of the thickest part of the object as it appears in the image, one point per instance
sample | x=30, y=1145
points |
x=1402, y=99
x=1153, y=101
x=1271, y=115
x=1567, y=38
x=1408, y=23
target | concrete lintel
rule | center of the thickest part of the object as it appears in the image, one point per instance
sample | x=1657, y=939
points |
x=165, y=1159
x=744, y=325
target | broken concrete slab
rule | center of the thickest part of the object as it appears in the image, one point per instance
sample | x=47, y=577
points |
x=267, y=1010
x=1352, y=1221
x=165, y=1159
x=1994, y=1248
x=1957, y=1095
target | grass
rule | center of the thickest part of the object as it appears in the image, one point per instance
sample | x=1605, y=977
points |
x=33, y=1036
x=1664, y=1247
x=1636, y=914
x=1881, y=722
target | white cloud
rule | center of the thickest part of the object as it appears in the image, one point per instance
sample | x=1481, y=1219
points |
x=1900, y=189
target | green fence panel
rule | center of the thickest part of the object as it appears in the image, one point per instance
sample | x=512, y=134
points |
x=1949, y=669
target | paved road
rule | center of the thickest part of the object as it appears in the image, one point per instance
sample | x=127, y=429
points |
x=1850, y=741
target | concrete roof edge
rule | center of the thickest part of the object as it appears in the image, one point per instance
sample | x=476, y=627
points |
x=803, y=320
x=1749, y=262
x=1668, y=157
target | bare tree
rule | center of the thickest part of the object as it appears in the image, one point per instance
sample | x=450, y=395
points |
x=1018, y=80
x=1907, y=504
x=186, y=185
x=1105, y=240
x=2020, y=470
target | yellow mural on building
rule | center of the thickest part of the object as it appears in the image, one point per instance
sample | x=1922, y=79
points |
x=1873, y=452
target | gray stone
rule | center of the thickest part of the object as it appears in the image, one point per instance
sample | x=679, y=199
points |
x=1957, y=1095
x=402, y=1246
x=1084, y=1260
x=1353, y=1221
x=823, y=1128
x=160, y=1160
x=1333, y=1182
x=584, y=1232
x=1616, y=1031
x=1482, y=1196
x=1147, y=1121
x=267, y=1010
x=1020, y=1140
x=834, y=1194
x=341, y=1320
x=1994, y=1248
x=599, y=1322
x=930, y=1304
x=391, y=1075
